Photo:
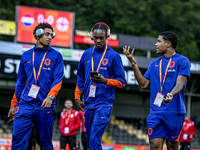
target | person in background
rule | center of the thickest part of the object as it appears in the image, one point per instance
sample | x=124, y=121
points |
x=69, y=124
x=187, y=134
x=196, y=121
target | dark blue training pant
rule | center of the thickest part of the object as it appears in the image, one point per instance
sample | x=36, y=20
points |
x=25, y=116
x=95, y=124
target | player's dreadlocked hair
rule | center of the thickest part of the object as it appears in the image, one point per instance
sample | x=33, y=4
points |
x=170, y=36
x=42, y=26
x=102, y=27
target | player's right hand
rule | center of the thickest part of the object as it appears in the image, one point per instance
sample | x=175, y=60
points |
x=129, y=55
x=80, y=104
x=168, y=98
x=11, y=114
x=47, y=102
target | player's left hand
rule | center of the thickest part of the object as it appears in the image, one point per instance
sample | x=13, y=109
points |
x=46, y=103
x=168, y=98
x=99, y=79
x=11, y=114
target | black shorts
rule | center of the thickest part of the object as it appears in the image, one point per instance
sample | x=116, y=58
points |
x=71, y=140
x=184, y=145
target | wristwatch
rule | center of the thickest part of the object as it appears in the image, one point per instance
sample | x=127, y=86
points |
x=51, y=97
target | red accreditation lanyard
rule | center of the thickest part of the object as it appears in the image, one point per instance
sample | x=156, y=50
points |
x=160, y=71
x=34, y=72
x=100, y=60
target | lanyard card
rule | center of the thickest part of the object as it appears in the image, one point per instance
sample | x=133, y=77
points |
x=158, y=100
x=66, y=130
x=92, y=91
x=34, y=91
x=185, y=136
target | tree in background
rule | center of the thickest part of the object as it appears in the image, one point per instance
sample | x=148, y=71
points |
x=143, y=18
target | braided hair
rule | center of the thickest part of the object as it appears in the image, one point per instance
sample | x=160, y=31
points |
x=42, y=26
x=170, y=36
x=102, y=27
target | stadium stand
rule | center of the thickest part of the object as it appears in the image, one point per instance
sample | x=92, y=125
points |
x=120, y=130
x=6, y=127
x=122, y=133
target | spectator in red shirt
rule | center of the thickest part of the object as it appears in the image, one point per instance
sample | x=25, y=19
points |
x=83, y=133
x=69, y=124
x=188, y=132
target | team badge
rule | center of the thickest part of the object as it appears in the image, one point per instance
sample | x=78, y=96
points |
x=47, y=61
x=172, y=64
x=105, y=61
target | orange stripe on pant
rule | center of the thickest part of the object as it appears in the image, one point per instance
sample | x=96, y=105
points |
x=177, y=140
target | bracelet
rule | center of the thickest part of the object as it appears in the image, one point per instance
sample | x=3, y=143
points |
x=133, y=64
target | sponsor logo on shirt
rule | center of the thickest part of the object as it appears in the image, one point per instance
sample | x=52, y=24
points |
x=103, y=68
x=88, y=61
x=48, y=112
x=46, y=68
x=172, y=70
x=28, y=62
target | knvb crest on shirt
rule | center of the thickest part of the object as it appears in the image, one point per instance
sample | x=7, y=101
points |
x=172, y=64
x=47, y=61
x=105, y=61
